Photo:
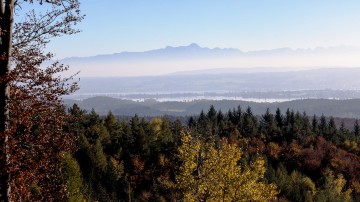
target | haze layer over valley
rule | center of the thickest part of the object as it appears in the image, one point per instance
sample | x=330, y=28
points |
x=192, y=72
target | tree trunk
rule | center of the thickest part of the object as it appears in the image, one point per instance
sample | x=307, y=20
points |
x=6, y=22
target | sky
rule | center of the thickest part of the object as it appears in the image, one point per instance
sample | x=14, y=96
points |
x=113, y=26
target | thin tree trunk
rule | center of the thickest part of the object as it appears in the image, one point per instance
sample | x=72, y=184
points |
x=6, y=22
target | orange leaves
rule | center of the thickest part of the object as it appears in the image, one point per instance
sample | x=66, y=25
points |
x=139, y=172
x=273, y=150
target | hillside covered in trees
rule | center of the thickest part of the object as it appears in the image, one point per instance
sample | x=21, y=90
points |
x=150, y=107
x=216, y=156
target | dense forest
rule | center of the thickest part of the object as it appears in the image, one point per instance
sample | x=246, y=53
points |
x=215, y=156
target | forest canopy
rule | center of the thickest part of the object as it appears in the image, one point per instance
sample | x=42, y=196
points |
x=290, y=156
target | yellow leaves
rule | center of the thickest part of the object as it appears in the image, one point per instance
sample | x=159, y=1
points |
x=117, y=167
x=163, y=160
x=213, y=174
x=273, y=150
x=339, y=183
x=355, y=185
x=309, y=186
x=156, y=124
x=334, y=188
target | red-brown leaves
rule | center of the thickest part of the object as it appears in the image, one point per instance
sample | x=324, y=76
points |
x=36, y=138
x=314, y=155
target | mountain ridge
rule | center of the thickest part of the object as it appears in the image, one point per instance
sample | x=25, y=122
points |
x=195, y=46
x=194, y=57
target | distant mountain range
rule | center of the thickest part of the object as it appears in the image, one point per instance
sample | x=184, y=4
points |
x=193, y=57
x=194, y=50
x=193, y=73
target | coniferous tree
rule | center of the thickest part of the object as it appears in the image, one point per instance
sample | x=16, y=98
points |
x=314, y=124
x=235, y=116
x=279, y=118
x=306, y=127
x=140, y=146
x=222, y=123
x=211, y=115
x=203, y=125
x=287, y=119
x=113, y=128
x=191, y=122
x=268, y=125
x=323, y=125
x=332, y=131
x=177, y=127
x=220, y=116
x=357, y=129
x=72, y=177
x=212, y=121
x=76, y=121
x=111, y=124
x=289, y=129
x=249, y=124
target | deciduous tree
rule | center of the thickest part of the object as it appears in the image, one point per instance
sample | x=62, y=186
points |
x=31, y=113
x=208, y=173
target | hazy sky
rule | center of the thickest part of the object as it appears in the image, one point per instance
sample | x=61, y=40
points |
x=113, y=26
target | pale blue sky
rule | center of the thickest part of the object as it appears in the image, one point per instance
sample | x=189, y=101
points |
x=113, y=26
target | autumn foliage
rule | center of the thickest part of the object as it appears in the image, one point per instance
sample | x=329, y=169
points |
x=32, y=138
x=210, y=173
x=285, y=157
x=37, y=140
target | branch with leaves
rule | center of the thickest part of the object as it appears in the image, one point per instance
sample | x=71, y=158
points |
x=33, y=141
